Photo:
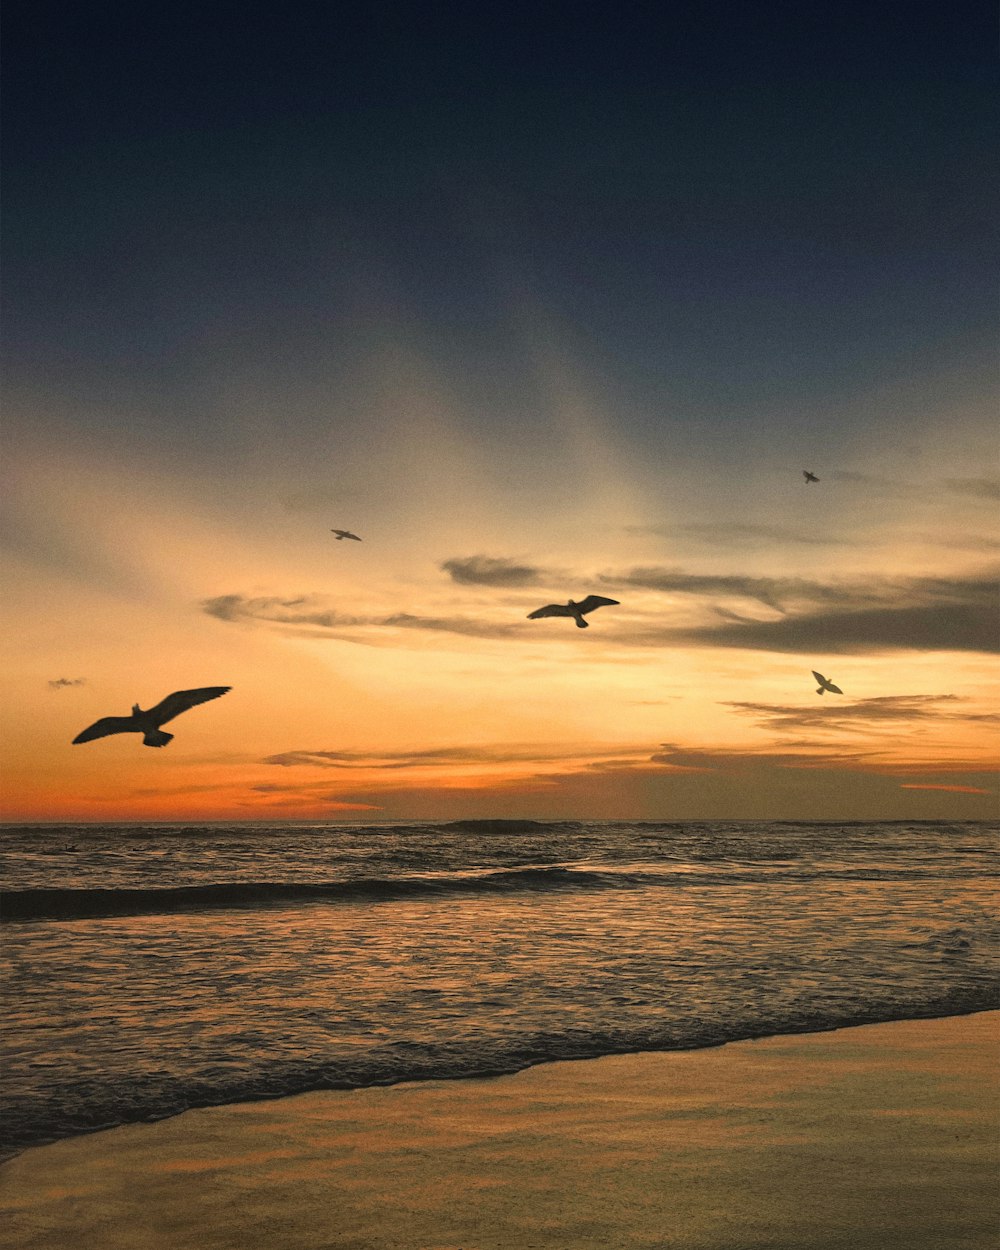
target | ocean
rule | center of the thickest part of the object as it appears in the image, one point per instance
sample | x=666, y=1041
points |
x=152, y=968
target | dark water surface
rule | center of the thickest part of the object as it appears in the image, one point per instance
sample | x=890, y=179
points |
x=149, y=969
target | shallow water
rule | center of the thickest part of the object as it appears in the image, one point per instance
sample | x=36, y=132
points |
x=153, y=969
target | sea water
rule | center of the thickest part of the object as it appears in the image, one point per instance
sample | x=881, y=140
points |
x=152, y=968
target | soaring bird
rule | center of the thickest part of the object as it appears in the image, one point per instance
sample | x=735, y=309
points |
x=576, y=610
x=810, y=477
x=148, y=723
x=345, y=534
x=826, y=684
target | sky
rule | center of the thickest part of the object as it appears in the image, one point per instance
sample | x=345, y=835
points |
x=540, y=301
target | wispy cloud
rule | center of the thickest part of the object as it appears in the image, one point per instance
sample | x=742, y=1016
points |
x=735, y=534
x=61, y=683
x=779, y=593
x=441, y=757
x=306, y=611
x=729, y=760
x=954, y=789
x=966, y=624
x=490, y=571
x=979, y=487
x=832, y=715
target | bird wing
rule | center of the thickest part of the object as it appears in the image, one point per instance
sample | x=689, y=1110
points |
x=819, y=677
x=105, y=726
x=594, y=601
x=833, y=689
x=181, y=700
x=550, y=609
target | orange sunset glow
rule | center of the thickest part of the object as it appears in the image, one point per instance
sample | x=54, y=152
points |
x=400, y=677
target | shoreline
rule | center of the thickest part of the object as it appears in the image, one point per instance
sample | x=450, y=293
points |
x=7, y=1154
x=708, y=1148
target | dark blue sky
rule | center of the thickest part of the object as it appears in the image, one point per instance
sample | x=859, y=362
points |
x=739, y=207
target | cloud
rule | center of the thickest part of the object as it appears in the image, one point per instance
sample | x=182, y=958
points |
x=774, y=592
x=963, y=625
x=272, y=608
x=434, y=757
x=447, y=625
x=305, y=611
x=954, y=789
x=727, y=760
x=744, y=535
x=979, y=487
x=851, y=760
x=61, y=683
x=834, y=715
x=490, y=571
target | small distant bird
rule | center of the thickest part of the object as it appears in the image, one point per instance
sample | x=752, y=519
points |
x=825, y=684
x=810, y=477
x=576, y=610
x=345, y=534
x=148, y=723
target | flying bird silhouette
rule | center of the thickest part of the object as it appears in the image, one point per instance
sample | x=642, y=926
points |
x=575, y=610
x=810, y=477
x=826, y=684
x=148, y=723
x=345, y=534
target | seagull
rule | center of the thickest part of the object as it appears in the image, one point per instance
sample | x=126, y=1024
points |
x=576, y=610
x=810, y=477
x=148, y=723
x=826, y=684
x=345, y=534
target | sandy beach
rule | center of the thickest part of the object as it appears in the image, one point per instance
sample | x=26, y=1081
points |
x=877, y=1136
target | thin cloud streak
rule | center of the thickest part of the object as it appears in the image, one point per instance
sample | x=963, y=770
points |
x=953, y=789
x=303, y=612
x=733, y=533
x=903, y=708
x=435, y=757
x=977, y=487
x=490, y=571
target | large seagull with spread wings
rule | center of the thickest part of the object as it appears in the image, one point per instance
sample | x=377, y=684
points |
x=576, y=610
x=148, y=723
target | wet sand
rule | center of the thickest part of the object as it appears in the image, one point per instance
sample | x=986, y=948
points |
x=884, y=1136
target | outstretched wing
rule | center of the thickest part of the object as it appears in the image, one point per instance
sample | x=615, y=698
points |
x=819, y=677
x=550, y=609
x=105, y=726
x=833, y=689
x=594, y=601
x=181, y=700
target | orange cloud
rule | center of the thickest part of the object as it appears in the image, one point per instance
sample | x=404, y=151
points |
x=955, y=789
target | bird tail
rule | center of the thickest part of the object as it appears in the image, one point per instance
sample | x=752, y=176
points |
x=581, y=623
x=156, y=738
x=819, y=689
